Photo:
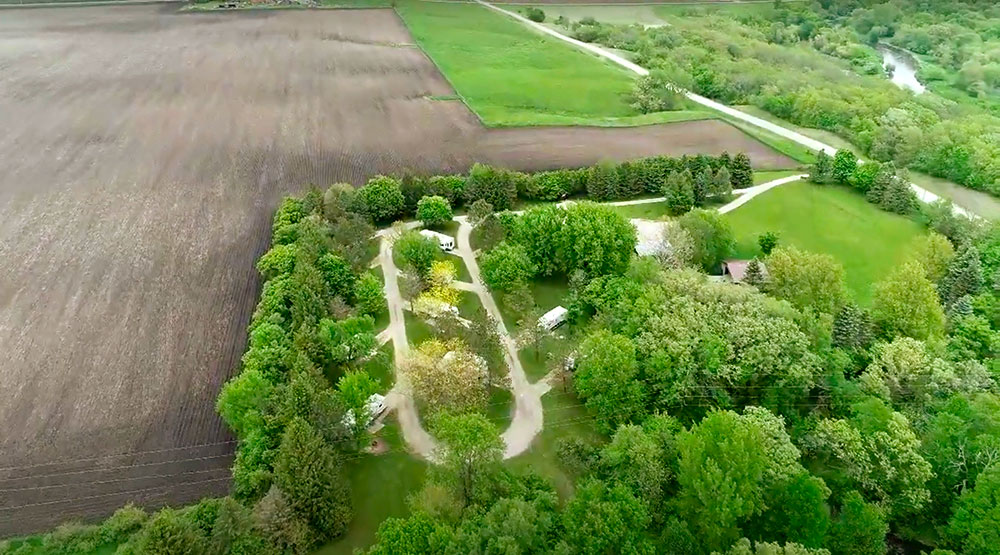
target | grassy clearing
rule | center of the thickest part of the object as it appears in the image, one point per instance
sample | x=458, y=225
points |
x=382, y=368
x=417, y=330
x=380, y=485
x=831, y=220
x=511, y=75
x=565, y=417
x=499, y=408
x=650, y=211
x=469, y=304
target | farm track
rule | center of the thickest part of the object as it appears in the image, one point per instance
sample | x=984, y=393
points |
x=143, y=153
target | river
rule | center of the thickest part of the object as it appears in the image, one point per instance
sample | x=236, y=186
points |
x=905, y=74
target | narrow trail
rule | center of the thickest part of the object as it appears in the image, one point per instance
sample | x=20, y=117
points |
x=400, y=398
x=748, y=194
x=527, y=419
x=923, y=194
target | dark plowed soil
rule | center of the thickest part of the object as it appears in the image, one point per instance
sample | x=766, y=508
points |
x=141, y=155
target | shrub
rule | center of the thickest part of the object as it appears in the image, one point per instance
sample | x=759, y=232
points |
x=381, y=200
x=496, y=186
x=434, y=211
x=450, y=187
x=536, y=14
x=602, y=181
x=552, y=185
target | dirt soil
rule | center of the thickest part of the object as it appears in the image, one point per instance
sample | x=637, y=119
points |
x=143, y=152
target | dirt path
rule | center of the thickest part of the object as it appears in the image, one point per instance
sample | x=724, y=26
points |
x=748, y=194
x=527, y=419
x=923, y=194
x=400, y=398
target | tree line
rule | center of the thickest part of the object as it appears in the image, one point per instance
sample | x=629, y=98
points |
x=835, y=83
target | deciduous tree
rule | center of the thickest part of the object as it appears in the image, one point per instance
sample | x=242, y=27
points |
x=434, y=211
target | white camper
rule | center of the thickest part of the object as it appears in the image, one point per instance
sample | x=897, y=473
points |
x=446, y=242
x=553, y=318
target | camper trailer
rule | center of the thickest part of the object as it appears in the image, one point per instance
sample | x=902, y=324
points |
x=553, y=318
x=446, y=242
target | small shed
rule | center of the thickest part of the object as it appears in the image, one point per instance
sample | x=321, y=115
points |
x=446, y=242
x=553, y=318
x=736, y=270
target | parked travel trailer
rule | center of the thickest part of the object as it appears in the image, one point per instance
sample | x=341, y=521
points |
x=553, y=318
x=446, y=242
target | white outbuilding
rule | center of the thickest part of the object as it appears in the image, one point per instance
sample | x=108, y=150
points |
x=553, y=318
x=446, y=242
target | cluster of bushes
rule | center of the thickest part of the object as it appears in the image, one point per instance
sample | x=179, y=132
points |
x=386, y=199
x=549, y=240
x=881, y=184
x=758, y=59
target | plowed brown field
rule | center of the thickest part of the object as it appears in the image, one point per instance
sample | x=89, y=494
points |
x=141, y=155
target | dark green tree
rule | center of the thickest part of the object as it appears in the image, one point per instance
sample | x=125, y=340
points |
x=964, y=276
x=470, y=453
x=605, y=518
x=742, y=171
x=417, y=252
x=712, y=238
x=309, y=473
x=496, y=186
x=679, y=193
x=381, y=199
x=844, y=166
x=859, y=528
x=822, y=170
x=434, y=211
x=168, y=533
x=767, y=242
x=506, y=267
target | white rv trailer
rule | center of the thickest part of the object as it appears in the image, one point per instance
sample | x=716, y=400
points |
x=553, y=318
x=446, y=242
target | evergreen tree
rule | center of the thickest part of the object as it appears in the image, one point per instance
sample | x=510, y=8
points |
x=822, y=170
x=722, y=185
x=755, y=274
x=679, y=193
x=879, y=189
x=742, y=171
x=308, y=472
x=725, y=161
x=852, y=328
x=702, y=186
x=964, y=277
x=844, y=166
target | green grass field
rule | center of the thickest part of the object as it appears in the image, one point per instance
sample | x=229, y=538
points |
x=565, y=417
x=831, y=220
x=511, y=75
x=380, y=485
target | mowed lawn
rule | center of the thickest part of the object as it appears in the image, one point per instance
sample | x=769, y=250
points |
x=831, y=220
x=511, y=75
